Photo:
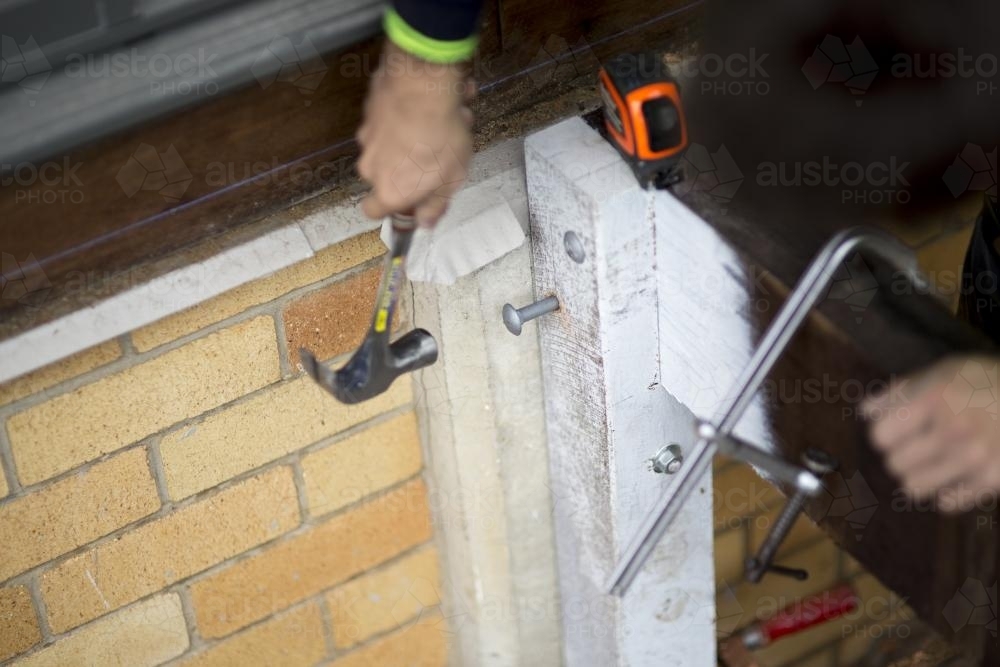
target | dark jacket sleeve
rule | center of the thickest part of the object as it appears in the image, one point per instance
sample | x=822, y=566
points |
x=445, y=20
x=440, y=31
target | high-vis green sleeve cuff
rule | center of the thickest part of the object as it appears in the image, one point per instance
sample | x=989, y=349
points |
x=407, y=38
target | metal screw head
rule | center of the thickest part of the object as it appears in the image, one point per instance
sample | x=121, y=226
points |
x=668, y=459
x=574, y=247
x=819, y=462
x=512, y=319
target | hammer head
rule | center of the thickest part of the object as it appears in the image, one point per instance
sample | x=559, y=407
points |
x=375, y=365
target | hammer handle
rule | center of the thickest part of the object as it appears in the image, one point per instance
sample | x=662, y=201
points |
x=403, y=222
x=403, y=226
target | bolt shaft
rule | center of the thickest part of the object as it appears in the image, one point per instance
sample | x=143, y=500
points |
x=760, y=563
x=819, y=463
x=538, y=308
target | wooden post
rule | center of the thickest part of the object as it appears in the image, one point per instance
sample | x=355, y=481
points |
x=607, y=411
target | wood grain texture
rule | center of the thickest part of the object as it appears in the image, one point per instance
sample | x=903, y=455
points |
x=573, y=372
x=607, y=412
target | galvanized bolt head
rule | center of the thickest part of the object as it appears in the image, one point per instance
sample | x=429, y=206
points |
x=512, y=319
x=668, y=459
x=574, y=247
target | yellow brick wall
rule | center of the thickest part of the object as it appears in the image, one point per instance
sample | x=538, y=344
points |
x=745, y=509
x=185, y=494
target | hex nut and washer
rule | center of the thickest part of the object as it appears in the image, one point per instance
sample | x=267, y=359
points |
x=514, y=318
x=667, y=460
x=574, y=247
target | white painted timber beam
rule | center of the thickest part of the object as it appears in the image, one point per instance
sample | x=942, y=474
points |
x=608, y=409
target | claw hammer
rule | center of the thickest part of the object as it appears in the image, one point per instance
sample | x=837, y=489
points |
x=377, y=363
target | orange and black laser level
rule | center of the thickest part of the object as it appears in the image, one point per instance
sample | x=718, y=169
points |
x=643, y=116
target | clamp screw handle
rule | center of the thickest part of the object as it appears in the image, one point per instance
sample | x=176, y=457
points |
x=820, y=464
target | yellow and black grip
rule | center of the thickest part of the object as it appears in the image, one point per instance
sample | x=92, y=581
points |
x=403, y=226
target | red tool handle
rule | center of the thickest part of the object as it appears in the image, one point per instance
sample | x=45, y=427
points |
x=810, y=611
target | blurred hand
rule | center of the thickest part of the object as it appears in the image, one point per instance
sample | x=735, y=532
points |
x=939, y=434
x=415, y=137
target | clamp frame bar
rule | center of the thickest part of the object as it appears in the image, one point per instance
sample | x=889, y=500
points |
x=807, y=294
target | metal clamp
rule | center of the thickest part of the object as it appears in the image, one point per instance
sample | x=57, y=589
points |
x=818, y=463
x=807, y=293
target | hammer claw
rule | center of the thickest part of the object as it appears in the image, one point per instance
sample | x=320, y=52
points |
x=376, y=364
x=315, y=369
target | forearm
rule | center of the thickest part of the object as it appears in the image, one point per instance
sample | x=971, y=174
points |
x=442, y=31
x=416, y=139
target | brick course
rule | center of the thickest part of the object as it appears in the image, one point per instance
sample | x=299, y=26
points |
x=18, y=625
x=147, y=633
x=333, y=320
x=278, y=421
x=421, y=644
x=289, y=639
x=176, y=500
x=310, y=562
x=123, y=408
x=169, y=549
x=68, y=368
x=347, y=471
x=327, y=262
x=71, y=512
x=385, y=599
